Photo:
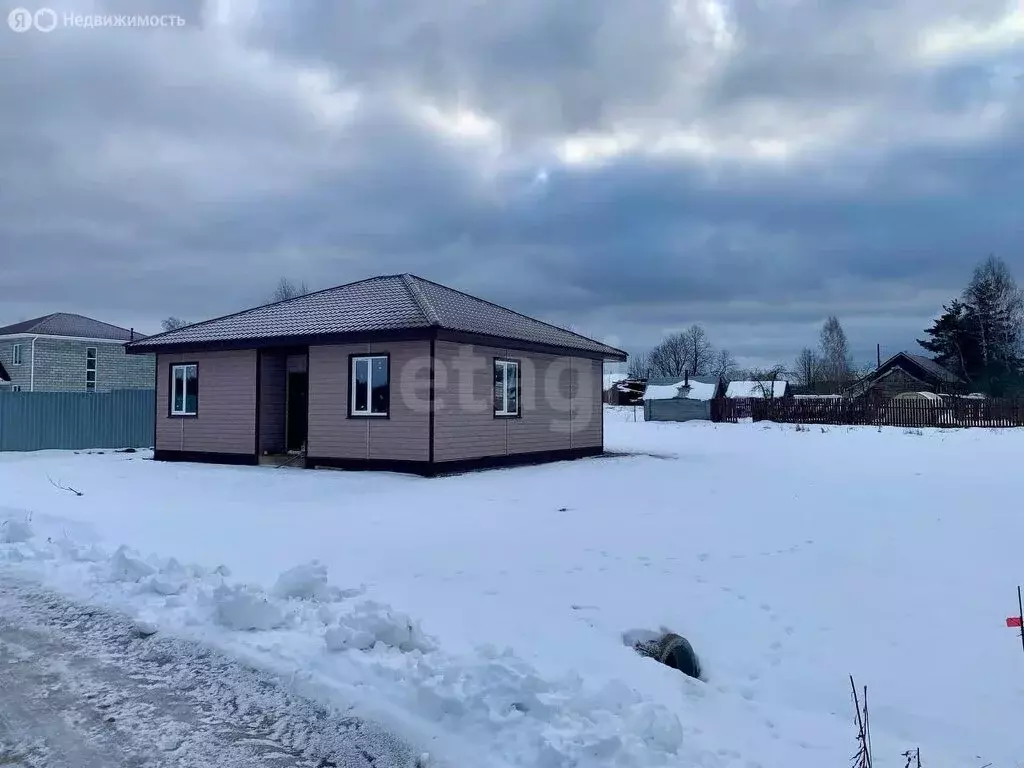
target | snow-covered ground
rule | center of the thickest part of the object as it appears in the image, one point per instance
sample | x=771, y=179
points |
x=481, y=616
x=80, y=688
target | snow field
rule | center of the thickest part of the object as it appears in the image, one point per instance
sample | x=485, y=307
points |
x=482, y=616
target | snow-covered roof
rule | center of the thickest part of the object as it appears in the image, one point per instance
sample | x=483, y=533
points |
x=698, y=390
x=701, y=390
x=755, y=388
x=662, y=391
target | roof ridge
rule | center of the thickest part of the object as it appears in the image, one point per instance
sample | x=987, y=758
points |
x=411, y=284
x=519, y=314
x=263, y=306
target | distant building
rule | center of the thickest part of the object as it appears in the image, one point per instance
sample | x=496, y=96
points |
x=904, y=372
x=63, y=352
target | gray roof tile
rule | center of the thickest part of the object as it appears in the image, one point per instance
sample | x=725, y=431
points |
x=67, y=324
x=391, y=302
x=934, y=368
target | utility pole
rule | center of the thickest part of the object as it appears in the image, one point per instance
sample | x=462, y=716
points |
x=878, y=355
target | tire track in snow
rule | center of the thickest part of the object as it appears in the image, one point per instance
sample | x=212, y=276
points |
x=81, y=688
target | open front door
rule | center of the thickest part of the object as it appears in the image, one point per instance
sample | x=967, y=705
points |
x=298, y=403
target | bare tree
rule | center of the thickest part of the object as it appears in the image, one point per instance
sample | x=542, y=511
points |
x=835, y=354
x=286, y=289
x=724, y=365
x=808, y=368
x=672, y=356
x=700, y=350
x=765, y=381
x=639, y=366
x=173, y=323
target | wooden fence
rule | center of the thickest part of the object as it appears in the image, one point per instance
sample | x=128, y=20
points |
x=955, y=412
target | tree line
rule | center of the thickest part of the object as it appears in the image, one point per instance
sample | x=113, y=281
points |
x=979, y=336
x=686, y=352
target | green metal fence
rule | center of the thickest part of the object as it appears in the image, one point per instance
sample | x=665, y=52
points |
x=36, y=421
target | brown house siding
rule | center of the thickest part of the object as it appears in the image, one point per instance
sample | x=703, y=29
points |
x=272, y=403
x=403, y=436
x=587, y=408
x=560, y=409
x=226, y=423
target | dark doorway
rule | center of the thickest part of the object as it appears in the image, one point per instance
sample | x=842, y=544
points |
x=298, y=396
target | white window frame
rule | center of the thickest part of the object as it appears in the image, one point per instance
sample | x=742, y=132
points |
x=183, y=367
x=505, y=364
x=93, y=360
x=368, y=411
x=16, y=388
x=16, y=354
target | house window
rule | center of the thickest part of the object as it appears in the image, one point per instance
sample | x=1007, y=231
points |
x=16, y=388
x=506, y=388
x=185, y=389
x=90, y=368
x=371, y=386
x=17, y=354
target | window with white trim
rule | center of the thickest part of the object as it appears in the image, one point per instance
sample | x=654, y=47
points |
x=370, y=390
x=16, y=388
x=16, y=353
x=90, y=367
x=185, y=389
x=506, y=387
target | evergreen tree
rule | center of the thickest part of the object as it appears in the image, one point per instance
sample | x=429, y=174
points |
x=951, y=343
x=980, y=336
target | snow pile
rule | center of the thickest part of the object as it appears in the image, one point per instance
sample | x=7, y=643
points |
x=308, y=582
x=492, y=696
x=14, y=531
x=372, y=623
x=124, y=567
x=244, y=607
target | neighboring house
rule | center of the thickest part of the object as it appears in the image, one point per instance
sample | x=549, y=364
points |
x=63, y=352
x=390, y=373
x=904, y=372
x=612, y=393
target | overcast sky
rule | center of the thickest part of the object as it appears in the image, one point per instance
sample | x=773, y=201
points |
x=626, y=166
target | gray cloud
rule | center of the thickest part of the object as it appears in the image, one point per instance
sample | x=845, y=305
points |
x=750, y=166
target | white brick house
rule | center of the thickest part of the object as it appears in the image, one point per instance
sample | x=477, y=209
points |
x=64, y=352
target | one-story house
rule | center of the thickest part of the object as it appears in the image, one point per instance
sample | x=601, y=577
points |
x=390, y=373
x=905, y=372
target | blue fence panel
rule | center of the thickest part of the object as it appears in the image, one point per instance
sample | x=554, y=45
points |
x=677, y=409
x=37, y=421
